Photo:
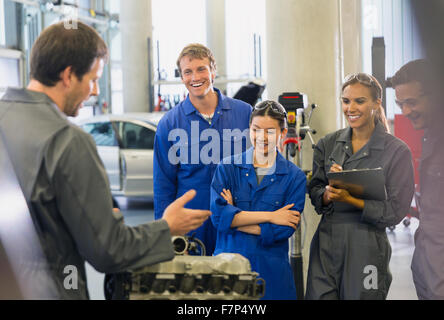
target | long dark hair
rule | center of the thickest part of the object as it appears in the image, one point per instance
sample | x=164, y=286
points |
x=372, y=83
x=271, y=109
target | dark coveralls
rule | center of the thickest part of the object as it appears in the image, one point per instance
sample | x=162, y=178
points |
x=68, y=194
x=350, y=252
x=428, y=258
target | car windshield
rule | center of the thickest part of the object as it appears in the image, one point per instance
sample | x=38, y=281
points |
x=102, y=132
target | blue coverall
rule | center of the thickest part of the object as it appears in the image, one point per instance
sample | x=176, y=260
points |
x=267, y=252
x=199, y=150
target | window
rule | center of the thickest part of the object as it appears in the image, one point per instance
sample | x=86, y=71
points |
x=245, y=41
x=171, y=33
x=102, y=132
x=11, y=67
x=2, y=24
x=176, y=23
x=394, y=20
x=115, y=64
x=137, y=137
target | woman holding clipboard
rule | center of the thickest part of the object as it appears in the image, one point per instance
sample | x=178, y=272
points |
x=350, y=252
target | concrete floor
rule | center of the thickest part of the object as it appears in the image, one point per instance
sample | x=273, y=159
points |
x=402, y=242
x=401, y=239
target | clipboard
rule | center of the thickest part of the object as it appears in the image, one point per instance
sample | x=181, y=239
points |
x=361, y=183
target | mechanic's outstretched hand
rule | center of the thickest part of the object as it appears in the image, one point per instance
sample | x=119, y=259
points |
x=181, y=220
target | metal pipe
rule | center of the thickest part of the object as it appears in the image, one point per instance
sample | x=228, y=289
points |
x=180, y=245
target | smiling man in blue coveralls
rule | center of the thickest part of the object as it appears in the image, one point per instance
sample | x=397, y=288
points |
x=194, y=136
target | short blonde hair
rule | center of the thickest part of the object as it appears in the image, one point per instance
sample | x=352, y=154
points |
x=196, y=51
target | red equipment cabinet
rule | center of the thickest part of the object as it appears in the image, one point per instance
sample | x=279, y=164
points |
x=413, y=138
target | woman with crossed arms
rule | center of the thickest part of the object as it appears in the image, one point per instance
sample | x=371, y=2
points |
x=256, y=201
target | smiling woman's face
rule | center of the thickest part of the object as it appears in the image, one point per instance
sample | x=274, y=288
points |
x=358, y=106
x=265, y=134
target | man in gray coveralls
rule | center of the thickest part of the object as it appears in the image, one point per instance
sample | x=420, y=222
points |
x=419, y=97
x=62, y=177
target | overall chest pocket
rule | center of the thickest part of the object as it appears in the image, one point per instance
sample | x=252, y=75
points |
x=242, y=200
x=271, y=202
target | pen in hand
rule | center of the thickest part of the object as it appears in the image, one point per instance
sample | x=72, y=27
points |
x=335, y=167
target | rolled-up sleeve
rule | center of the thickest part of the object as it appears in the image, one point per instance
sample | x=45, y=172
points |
x=272, y=233
x=222, y=212
x=400, y=188
x=318, y=182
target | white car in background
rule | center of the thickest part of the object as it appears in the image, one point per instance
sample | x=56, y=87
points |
x=125, y=144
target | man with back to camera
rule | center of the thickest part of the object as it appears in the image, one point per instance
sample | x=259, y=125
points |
x=188, y=126
x=61, y=175
x=416, y=94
